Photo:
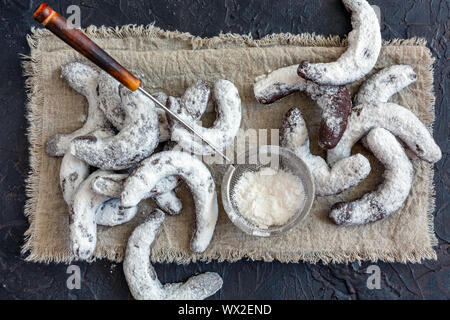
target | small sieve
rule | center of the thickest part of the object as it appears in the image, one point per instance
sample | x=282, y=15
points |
x=287, y=160
x=277, y=158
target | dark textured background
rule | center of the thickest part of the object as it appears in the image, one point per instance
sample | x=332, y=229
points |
x=245, y=279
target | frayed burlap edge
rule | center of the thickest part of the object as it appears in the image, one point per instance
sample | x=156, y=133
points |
x=35, y=98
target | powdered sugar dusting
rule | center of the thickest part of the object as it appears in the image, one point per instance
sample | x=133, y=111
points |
x=382, y=85
x=390, y=195
x=142, y=278
x=224, y=129
x=278, y=84
x=169, y=202
x=136, y=140
x=161, y=165
x=398, y=120
x=334, y=101
x=343, y=175
x=83, y=216
x=267, y=197
x=364, y=44
x=84, y=80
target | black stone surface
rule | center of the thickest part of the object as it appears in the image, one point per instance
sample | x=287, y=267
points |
x=244, y=279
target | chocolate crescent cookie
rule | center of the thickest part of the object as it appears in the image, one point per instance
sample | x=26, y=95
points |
x=343, y=175
x=364, y=44
x=83, y=215
x=385, y=83
x=221, y=133
x=83, y=79
x=136, y=140
x=398, y=120
x=148, y=173
x=142, y=278
x=390, y=195
x=335, y=101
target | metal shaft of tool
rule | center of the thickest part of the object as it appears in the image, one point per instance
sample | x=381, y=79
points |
x=148, y=95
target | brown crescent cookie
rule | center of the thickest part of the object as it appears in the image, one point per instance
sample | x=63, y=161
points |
x=142, y=278
x=335, y=101
x=83, y=79
x=328, y=181
x=148, y=173
x=390, y=195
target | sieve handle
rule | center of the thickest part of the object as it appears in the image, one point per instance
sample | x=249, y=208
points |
x=75, y=38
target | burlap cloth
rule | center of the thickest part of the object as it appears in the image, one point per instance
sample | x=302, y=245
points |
x=170, y=61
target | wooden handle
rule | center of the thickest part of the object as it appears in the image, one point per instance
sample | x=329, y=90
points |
x=71, y=35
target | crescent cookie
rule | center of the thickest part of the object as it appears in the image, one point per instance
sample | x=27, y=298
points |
x=112, y=107
x=343, y=175
x=84, y=80
x=385, y=83
x=142, y=278
x=192, y=104
x=390, y=195
x=136, y=140
x=335, y=101
x=71, y=174
x=398, y=120
x=224, y=129
x=89, y=209
x=164, y=131
x=148, y=173
x=164, y=196
x=364, y=44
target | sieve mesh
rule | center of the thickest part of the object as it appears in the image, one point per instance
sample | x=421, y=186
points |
x=253, y=160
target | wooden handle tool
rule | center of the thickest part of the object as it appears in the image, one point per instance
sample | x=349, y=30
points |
x=75, y=38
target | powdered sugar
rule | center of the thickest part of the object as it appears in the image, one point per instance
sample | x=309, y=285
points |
x=267, y=197
x=364, y=44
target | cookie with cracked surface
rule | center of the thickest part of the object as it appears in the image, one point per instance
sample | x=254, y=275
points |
x=112, y=107
x=385, y=83
x=164, y=195
x=89, y=209
x=192, y=104
x=398, y=120
x=83, y=79
x=72, y=173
